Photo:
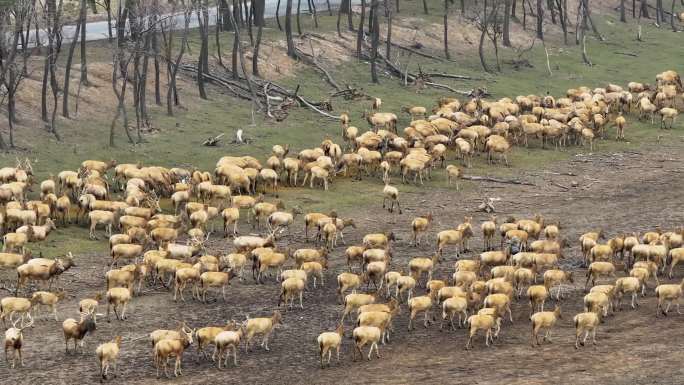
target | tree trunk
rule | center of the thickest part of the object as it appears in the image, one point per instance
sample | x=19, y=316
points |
x=299, y=26
x=259, y=9
x=513, y=6
x=350, y=24
x=217, y=38
x=143, y=81
x=672, y=17
x=278, y=15
x=425, y=7
x=82, y=20
x=388, y=44
x=375, y=40
x=623, y=18
x=562, y=16
x=203, y=54
x=43, y=90
x=250, y=23
x=359, y=35
x=242, y=61
x=236, y=47
x=172, y=68
x=587, y=12
x=67, y=69
x=549, y=5
x=540, y=20
x=633, y=9
x=462, y=7
x=155, y=48
x=506, y=23
x=108, y=8
x=288, y=30
x=446, y=30
x=340, y=11
x=644, y=9
x=480, y=49
x=312, y=9
x=659, y=12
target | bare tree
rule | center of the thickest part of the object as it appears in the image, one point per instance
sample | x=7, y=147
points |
x=173, y=63
x=53, y=28
x=490, y=27
x=13, y=67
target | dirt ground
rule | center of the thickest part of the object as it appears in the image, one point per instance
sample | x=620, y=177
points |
x=622, y=192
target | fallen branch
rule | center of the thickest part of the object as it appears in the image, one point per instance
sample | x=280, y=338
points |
x=240, y=89
x=419, y=53
x=560, y=185
x=310, y=59
x=213, y=141
x=496, y=180
x=626, y=54
x=450, y=76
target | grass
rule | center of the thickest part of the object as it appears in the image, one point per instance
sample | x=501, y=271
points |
x=178, y=141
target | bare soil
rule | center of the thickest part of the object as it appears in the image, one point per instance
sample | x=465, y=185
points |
x=622, y=192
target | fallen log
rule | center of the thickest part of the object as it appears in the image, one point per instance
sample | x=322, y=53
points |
x=311, y=60
x=497, y=180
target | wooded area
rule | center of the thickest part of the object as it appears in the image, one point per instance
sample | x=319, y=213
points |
x=149, y=40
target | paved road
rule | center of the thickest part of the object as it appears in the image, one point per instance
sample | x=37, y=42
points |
x=98, y=30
